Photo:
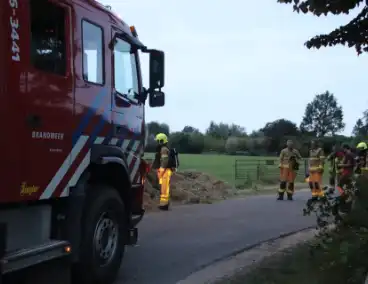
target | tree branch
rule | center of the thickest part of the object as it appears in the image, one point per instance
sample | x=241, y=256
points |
x=323, y=7
x=354, y=34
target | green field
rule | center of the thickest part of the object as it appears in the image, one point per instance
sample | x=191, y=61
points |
x=236, y=170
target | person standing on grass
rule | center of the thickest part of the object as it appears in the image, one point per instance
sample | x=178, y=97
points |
x=316, y=168
x=289, y=166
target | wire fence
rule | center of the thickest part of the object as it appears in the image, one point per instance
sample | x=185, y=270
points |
x=263, y=171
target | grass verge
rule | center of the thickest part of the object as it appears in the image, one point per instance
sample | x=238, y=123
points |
x=240, y=171
x=340, y=258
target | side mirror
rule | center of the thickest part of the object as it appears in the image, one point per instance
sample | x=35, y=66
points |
x=157, y=69
x=156, y=99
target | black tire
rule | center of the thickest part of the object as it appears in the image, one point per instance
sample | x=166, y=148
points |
x=101, y=200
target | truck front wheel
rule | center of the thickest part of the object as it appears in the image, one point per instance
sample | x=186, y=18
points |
x=103, y=236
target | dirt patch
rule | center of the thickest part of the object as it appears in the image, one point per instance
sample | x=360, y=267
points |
x=188, y=187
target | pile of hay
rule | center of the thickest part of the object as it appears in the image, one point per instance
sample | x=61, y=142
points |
x=188, y=187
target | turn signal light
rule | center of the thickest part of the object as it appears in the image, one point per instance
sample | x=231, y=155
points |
x=134, y=31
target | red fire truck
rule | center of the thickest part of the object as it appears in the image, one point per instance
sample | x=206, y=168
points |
x=72, y=112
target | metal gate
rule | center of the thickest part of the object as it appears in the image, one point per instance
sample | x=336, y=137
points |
x=265, y=170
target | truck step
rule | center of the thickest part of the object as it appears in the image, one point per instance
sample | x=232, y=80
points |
x=133, y=237
x=23, y=258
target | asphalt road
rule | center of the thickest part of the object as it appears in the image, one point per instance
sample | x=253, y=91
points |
x=174, y=244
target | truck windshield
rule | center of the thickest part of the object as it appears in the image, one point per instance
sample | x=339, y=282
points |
x=125, y=69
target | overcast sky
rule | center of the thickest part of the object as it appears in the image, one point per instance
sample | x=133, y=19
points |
x=240, y=62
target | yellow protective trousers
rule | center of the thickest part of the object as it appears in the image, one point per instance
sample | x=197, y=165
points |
x=164, y=176
x=315, y=183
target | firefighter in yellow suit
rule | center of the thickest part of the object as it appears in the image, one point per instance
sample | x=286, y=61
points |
x=362, y=157
x=163, y=172
x=316, y=168
x=289, y=164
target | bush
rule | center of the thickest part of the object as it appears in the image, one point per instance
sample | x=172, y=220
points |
x=347, y=244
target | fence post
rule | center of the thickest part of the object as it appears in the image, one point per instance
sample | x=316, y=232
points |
x=235, y=169
x=306, y=168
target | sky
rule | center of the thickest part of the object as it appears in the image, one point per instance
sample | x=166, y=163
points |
x=243, y=62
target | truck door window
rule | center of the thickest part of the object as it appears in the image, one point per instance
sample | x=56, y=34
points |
x=93, y=67
x=48, y=44
x=125, y=70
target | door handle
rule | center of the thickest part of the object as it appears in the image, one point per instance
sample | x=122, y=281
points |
x=34, y=121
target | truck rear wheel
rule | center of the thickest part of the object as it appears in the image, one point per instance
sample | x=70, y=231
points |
x=103, y=236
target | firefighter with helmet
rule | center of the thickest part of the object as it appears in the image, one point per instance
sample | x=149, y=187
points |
x=289, y=166
x=362, y=159
x=164, y=172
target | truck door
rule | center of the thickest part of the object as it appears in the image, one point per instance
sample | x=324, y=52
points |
x=47, y=101
x=127, y=111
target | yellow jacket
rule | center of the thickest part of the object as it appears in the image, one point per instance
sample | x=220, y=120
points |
x=316, y=159
x=286, y=155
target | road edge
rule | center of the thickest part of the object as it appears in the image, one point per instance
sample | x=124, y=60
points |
x=235, y=261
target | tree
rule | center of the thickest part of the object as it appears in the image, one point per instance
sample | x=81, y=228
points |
x=180, y=141
x=353, y=34
x=224, y=131
x=155, y=127
x=196, y=143
x=220, y=130
x=232, y=145
x=276, y=131
x=280, y=127
x=212, y=144
x=323, y=116
x=237, y=130
x=361, y=126
x=190, y=129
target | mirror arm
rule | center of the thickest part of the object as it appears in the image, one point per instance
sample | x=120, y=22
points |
x=143, y=95
x=146, y=50
x=150, y=90
x=132, y=40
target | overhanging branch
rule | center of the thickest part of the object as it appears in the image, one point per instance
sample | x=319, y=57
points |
x=354, y=34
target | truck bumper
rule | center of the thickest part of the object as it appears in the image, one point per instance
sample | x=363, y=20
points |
x=24, y=258
x=11, y=261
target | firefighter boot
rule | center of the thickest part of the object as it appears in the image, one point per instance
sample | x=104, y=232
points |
x=282, y=190
x=280, y=196
x=313, y=191
x=290, y=191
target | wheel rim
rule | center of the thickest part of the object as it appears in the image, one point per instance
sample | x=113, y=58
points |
x=106, y=238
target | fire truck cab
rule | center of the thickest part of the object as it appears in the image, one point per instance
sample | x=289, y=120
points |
x=72, y=112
